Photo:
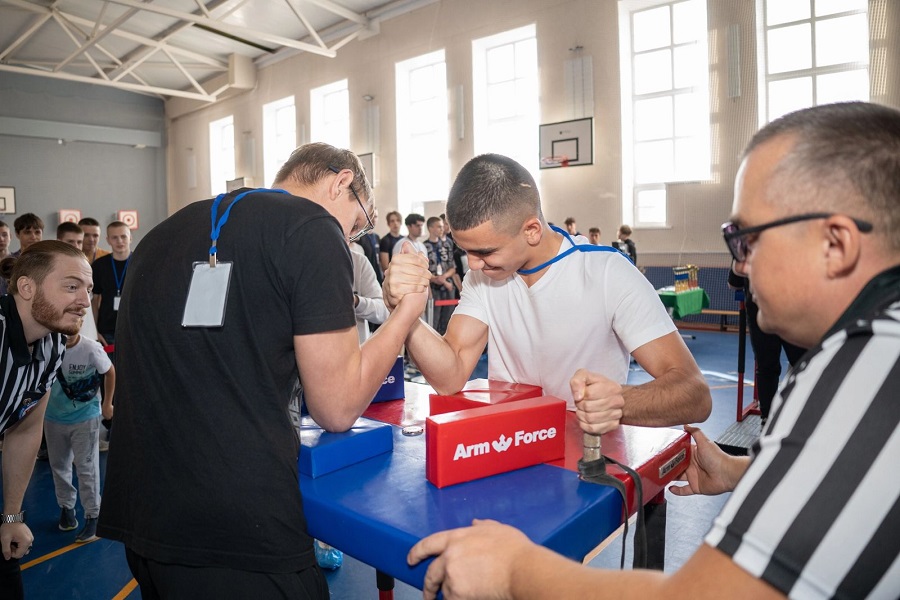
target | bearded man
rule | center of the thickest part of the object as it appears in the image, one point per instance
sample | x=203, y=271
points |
x=49, y=295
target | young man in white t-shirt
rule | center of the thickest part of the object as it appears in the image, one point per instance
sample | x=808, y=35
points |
x=553, y=316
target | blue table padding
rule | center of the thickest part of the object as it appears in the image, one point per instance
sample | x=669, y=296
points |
x=377, y=509
x=322, y=452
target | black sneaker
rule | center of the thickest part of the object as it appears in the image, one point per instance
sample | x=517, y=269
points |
x=88, y=532
x=67, y=520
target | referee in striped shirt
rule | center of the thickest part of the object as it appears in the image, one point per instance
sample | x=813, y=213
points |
x=49, y=294
x=814, y=512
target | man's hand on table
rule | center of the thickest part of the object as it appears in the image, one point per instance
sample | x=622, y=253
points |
x=472, y=562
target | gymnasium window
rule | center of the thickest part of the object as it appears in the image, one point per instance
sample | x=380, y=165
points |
x=811, y=52
x=506, y=97
x=423, y=168
x=665, y=103
x=221, y=153
x=279, y=136
x=330, y=114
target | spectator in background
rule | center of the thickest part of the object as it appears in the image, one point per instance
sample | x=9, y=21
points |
x=109, y=278
x=767, y=349
x=624, y=243
x=367, y=301
x=594, y=236
x=91, y=248
x=459, y=256
x=369, y=244
x=440, y=263
x=4, y=252
x=72, y=428
x=414, y=224
x=386, y=246
x=572, y=226
x=70, y=233
x=29, y=230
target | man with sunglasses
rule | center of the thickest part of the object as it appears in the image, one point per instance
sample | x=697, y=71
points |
x=814, y=510
x=201, y=483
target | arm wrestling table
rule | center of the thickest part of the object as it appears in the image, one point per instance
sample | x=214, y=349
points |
x=375, y=510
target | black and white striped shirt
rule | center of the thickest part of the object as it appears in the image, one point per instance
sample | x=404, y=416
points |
x=817, y=514
x=27, y=373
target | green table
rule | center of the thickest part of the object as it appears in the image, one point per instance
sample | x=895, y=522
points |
x=683, y=304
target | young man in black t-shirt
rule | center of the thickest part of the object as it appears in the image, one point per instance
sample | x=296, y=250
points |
x=109, y=279
x=201, y=483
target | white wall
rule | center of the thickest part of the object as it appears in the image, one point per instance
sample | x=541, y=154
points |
x=591, y=194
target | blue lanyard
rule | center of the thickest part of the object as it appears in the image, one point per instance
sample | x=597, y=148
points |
x=217, y=224
x=120, y=281
x=575, y=248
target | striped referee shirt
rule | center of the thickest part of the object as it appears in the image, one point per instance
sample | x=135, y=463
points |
x=27, y=372
x=817, y=514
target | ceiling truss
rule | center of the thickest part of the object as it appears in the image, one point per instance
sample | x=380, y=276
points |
x=92, y=40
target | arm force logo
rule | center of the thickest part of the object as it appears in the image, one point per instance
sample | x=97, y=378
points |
x=503, y=443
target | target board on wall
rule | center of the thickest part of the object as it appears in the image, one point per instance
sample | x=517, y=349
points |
x=129, y=217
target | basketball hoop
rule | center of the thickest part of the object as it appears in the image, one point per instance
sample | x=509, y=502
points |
x=554, y=161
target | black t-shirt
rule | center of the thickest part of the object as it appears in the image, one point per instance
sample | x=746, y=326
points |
x=387, y=244
x=107, y=287
x=203, y=466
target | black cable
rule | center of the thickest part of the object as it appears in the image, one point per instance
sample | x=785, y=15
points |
x=595, y=472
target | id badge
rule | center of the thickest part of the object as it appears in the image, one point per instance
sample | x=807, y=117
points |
x=205, y=305
x=116, y=300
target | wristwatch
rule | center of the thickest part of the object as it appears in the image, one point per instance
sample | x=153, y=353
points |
x=16, y=518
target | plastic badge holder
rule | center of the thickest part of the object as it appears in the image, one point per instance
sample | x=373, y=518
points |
x=482, y=392
x=478, y=442
x=322, y=452
x=392, y=387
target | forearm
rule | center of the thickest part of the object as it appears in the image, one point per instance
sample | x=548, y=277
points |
x=542, y=574
x=336, y=400
x=674, y=398
x=443, y=367
x=109, y=386
x=20, y=447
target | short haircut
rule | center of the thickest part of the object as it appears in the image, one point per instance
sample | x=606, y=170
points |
x=393, y=213
x=493, y=188
x=117, y=224
x=841, y=152
x=309, y=163
x=89, y=221
x=36, y=262
x=413, y=218
x=570, y=221
x=67, y=227
x=432, y=220
x=594, y=230
x=625, y=229
x=28, y=221
x=4, y=224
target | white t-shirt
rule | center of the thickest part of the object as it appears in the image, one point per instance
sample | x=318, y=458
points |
x=590, y=310
x=417, y=245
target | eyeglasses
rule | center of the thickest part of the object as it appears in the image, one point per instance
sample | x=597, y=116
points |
x=739, y=245
x=369, y=224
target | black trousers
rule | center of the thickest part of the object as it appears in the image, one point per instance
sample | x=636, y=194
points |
x=767, y=348
x=173, y=582
x=11, y=580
